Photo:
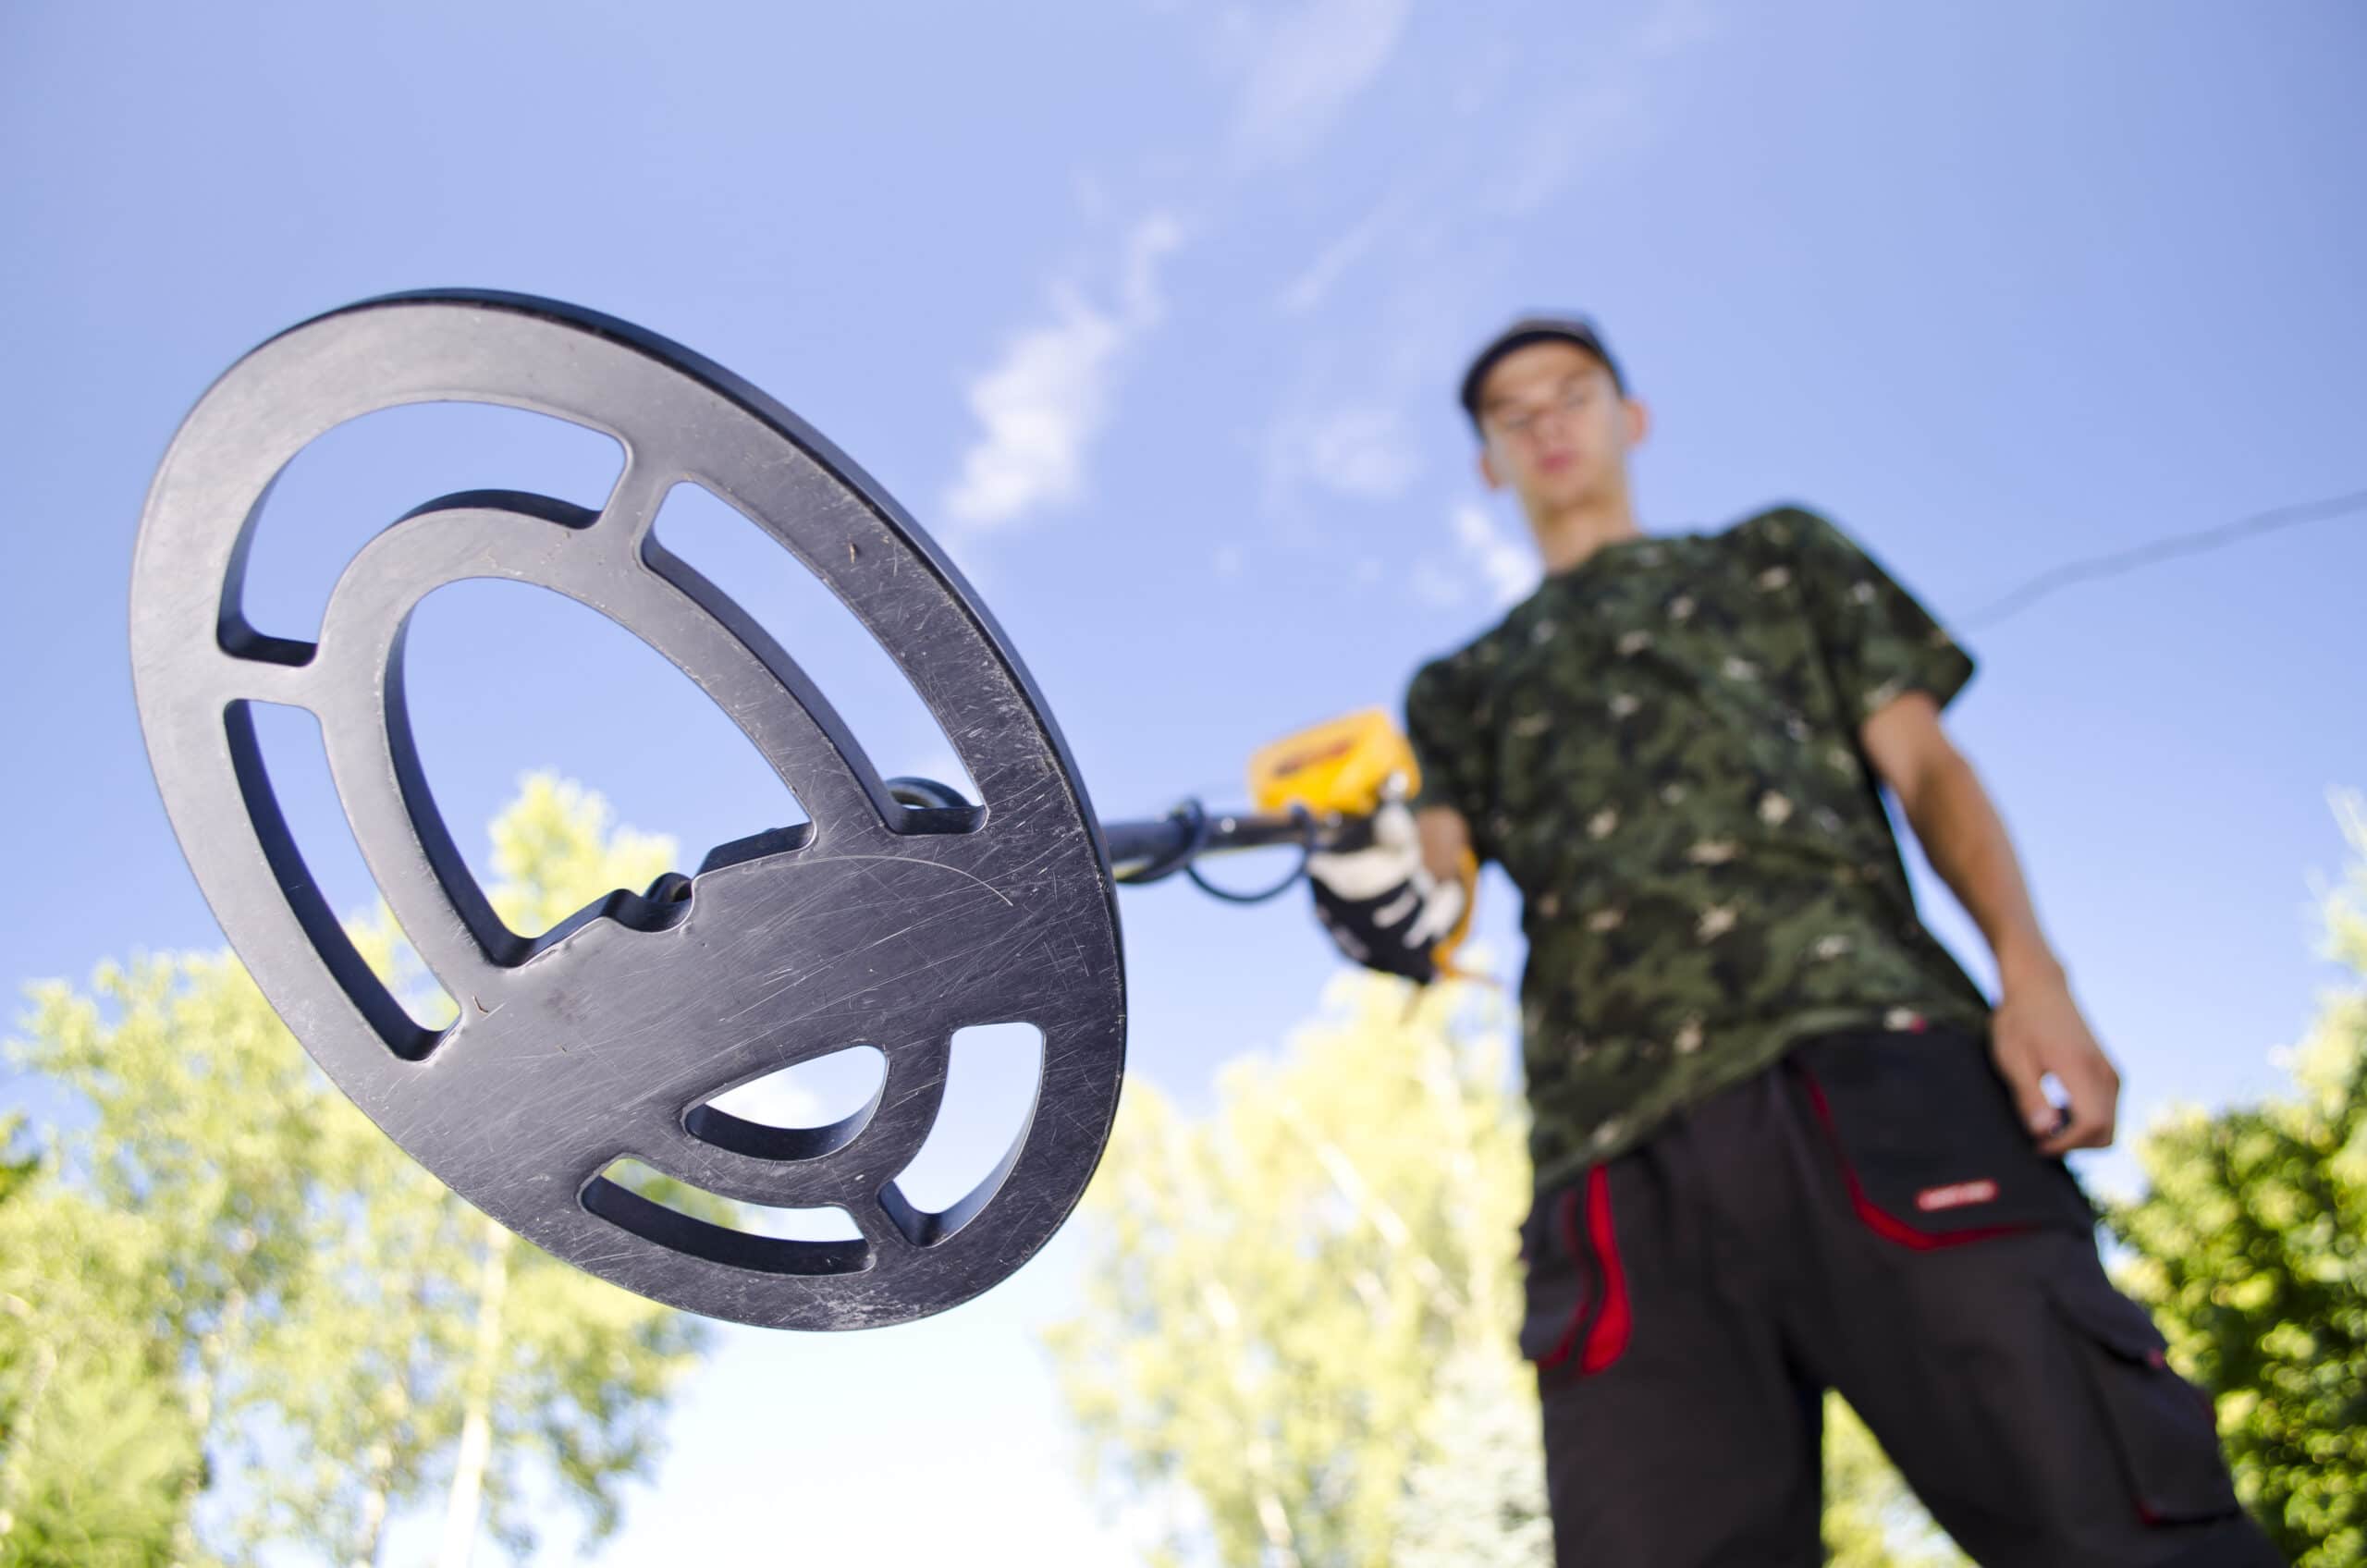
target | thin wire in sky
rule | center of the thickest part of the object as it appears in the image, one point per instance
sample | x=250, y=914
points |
x=2118, y=562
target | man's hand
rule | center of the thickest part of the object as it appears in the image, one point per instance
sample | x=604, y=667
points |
x=2037, y=1028
x=2038, y=1032
x=1380, y=904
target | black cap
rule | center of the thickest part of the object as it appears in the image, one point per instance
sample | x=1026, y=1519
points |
x=1536, y=329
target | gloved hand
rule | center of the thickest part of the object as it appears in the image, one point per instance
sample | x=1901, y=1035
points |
x=1381, y=905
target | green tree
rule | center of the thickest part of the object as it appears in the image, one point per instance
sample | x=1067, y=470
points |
x=1870, y=1518
x=98, y=1462
x=1270, y=1288
x=15, y=1169
x=1475, y=1491
x=344, y=1336
x=197, y=1128
x=1298, y=1346
x=478, y=1356
x=2251, y=1246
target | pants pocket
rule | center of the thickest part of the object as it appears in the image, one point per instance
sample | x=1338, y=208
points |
x=2161, y=1426
x=1576, y=1319
x=1930, y=1146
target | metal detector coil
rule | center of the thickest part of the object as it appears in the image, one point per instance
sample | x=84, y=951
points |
x=882, y=923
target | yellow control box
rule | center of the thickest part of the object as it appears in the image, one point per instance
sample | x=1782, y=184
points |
x=1339, y=765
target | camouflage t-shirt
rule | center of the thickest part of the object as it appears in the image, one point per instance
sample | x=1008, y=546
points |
x=1660, y=746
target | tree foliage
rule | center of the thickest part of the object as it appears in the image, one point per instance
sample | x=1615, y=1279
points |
x=247, y=1317
x=1297, y=1347
x=97, y=1458
x=1870, y=1519
x=1275, y=1291
x=2251, y=1246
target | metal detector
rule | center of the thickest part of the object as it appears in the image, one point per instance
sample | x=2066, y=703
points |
x=900, y=913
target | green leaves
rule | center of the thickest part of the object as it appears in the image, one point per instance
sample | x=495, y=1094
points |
x=1870, y=1519
x=1272, y=1293
x=97, y=1456
x=237, y=1302
x=1298, y=1343
x=2250, y=1247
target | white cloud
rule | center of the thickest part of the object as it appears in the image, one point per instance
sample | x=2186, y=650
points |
x=1508, y=566
x=1152, y=238
x=1571, y=135
x=1366, y=453
x=1436, y=583
x=1363, y=451
x=1307, y=67
x=1040, y=407
x=1314, y=282
x=1674, y=24
x=1602, y=111
x=1050, y=395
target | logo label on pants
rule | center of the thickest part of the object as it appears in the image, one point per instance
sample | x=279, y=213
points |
x=1955, y=1194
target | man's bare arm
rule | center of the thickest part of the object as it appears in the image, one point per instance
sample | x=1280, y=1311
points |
x=1961, y=833
x=2038, y=1026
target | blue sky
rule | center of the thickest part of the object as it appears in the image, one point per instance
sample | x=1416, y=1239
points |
x=1152, y=311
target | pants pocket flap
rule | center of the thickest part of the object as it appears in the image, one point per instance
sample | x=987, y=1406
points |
x=1577, y=1318
x=1930, y=1141
x=2112, y=1321
x=2162, y=1426
x=1559, y=1290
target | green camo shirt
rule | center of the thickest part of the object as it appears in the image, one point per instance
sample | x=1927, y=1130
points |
x=1661, y=747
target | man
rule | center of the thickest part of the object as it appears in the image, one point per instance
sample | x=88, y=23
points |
x=1782, y=1142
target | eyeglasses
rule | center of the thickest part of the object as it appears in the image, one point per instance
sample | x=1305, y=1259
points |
x=1575, y=395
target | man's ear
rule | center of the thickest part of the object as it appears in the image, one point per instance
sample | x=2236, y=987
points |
x=1639, y=422
x=1488, y=474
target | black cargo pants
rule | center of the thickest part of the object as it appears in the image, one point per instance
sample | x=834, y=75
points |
x=1869, y=1216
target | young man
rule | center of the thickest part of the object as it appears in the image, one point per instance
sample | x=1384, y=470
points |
x=1783, y=1143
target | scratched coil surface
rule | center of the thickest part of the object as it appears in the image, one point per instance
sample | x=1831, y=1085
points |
x=880, y=923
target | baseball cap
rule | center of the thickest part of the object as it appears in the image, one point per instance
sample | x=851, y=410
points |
x=1536, y=329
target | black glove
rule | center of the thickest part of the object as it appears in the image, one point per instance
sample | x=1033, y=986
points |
x=1381, y=905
